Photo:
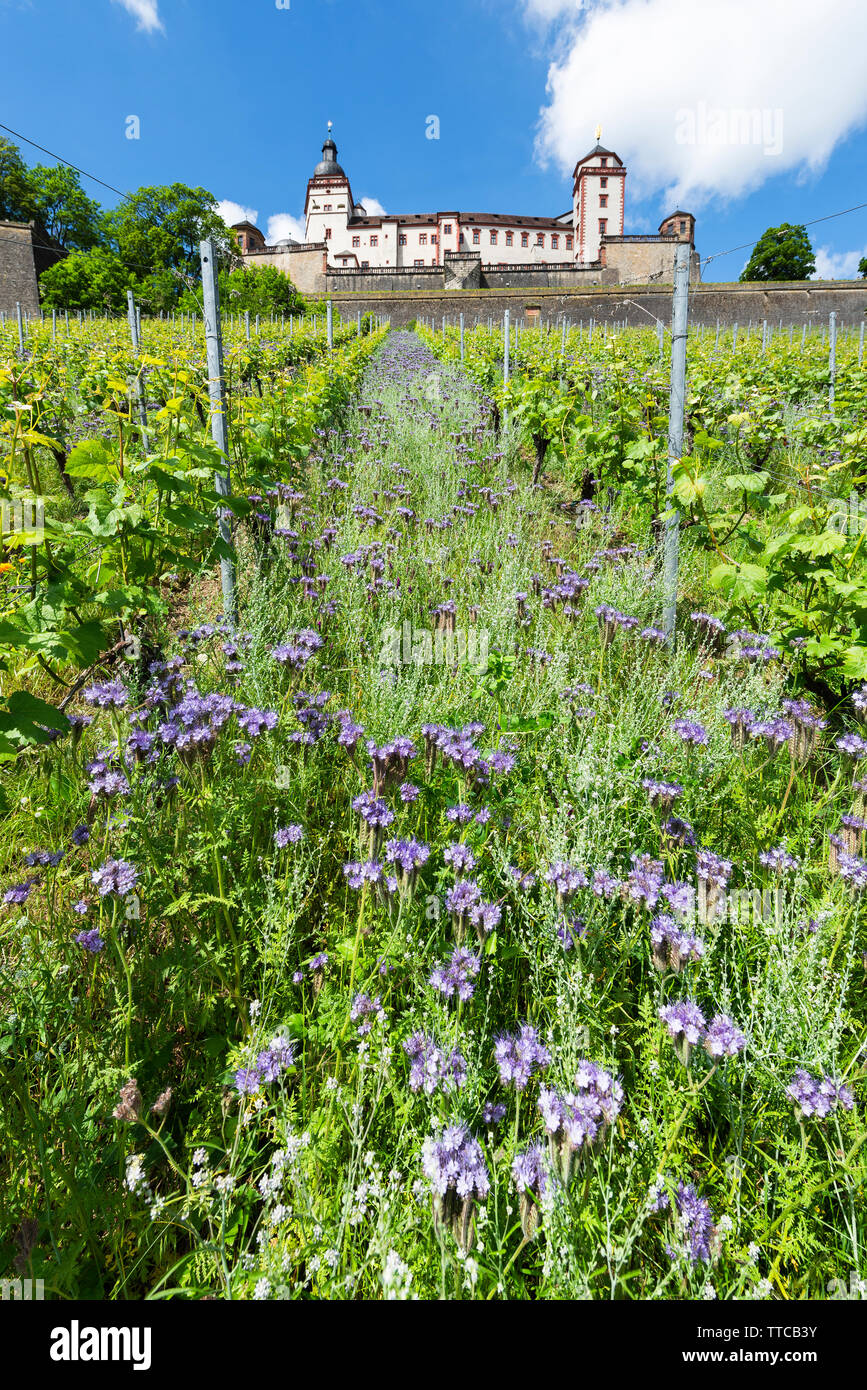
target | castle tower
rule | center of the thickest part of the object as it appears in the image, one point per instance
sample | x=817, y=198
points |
x=598, y=199
x=328, y=206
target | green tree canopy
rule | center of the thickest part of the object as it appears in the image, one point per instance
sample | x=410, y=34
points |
x=95, y=279
x=63, y=207
x=862, y=267
x=260, y=289
x=781, y=253
x=159, y=228
x=16, y=194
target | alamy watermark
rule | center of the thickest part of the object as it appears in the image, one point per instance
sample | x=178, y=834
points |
x=730, y=125
x=847, y=516
x=22, y=1290
x=412, y=646
x=23, y=517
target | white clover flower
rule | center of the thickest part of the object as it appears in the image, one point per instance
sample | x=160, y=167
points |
x=262, y=1289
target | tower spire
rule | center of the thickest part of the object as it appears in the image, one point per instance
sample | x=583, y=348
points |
x=598, y=132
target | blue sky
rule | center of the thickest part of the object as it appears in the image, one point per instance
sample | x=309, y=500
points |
x=234, y=95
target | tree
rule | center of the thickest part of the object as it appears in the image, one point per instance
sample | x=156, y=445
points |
x=259, y=289
x=63, y=208
x=16, y=194
x=781, y=253
x=95, y=279
x=862, y=267
x=159, y=229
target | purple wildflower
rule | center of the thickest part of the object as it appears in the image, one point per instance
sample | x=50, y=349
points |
x=518, y=1055
x=115, y=876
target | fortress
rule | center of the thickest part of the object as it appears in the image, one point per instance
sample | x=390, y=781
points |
x=346, y=248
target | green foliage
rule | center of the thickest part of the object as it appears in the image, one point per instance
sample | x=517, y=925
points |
x=17, y=203
x=95, y=279
x=159, y=229
x=781, y=253
x=256, y=289
x=63, y=208
x=313, y=1188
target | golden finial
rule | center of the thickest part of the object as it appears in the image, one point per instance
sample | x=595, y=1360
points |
x=598, y=132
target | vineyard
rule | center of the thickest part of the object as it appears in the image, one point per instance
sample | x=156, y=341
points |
x=433, y=927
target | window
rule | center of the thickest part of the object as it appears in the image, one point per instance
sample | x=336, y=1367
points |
x=402, y=239
x=493, y=238
x=419, y=261
x=603, y=183
x=568, y=243
x=603, y=223
x=603, y=163
x=374, y=241
x=525, y=239
x=476, y=238
x=555, y=242
x=510, y=237
x=447, y=229
x=462, y=238
x=603, y=201
x=365, y=264
x=327, y=207
x=356, y=241
x=327, y=233
x=422, y=238
x=683, y=226
x=540, y=238
x=433, y=240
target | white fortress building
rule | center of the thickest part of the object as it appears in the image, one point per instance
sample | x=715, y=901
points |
x=588, y=237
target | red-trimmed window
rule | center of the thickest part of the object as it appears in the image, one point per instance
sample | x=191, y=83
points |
x=422, y=238
x=374, y=241
x=525, y=239
x=510, y=237
x=555, y=242
x=402, y=239
x=419, y=261
x=447, y=229
x=356, y=241
x=603, y=224
x=540, y=238
x=477, y=236
x=603, y=201
x=568, y=243
x=493, y=238
x=603, y=183
x=327, y=233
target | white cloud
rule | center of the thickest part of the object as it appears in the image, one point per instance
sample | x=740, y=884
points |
x=373, y=207
x=146, y=13
x=283, y=225
x=236, y=212
x=838, y=265
x=702, y=100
